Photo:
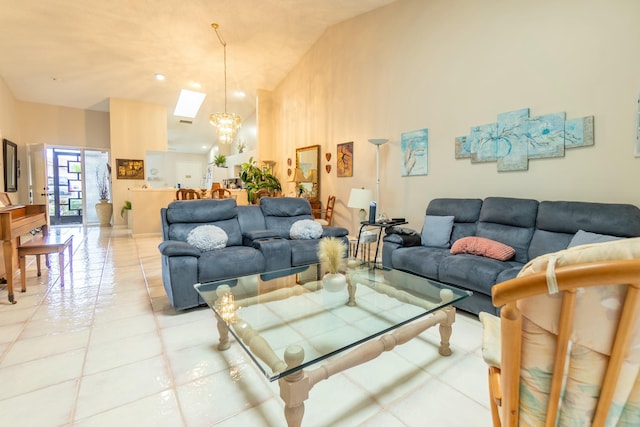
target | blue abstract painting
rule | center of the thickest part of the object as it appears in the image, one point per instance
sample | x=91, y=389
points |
x=516, y=137
x=415, y=152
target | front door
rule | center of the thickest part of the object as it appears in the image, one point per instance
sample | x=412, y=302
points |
x=65, y=186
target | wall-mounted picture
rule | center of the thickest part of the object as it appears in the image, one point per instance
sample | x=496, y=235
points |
x=415, y=152
x=129, y=169
x=344, y=159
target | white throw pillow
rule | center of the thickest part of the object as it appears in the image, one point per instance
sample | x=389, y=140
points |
x=305, y=229
x=207, y=238
x=436, y=231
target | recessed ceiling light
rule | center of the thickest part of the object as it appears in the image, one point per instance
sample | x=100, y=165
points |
x=239, y=94
x=195, y=85
x=159, y=76
x=189, y=103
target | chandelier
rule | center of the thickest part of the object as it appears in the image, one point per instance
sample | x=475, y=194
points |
x=226, y=124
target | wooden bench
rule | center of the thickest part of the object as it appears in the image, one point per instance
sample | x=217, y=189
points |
x=53, y=242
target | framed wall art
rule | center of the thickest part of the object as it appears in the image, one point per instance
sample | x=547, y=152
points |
x=129, y=169
x=344, y=159
x=415, y=152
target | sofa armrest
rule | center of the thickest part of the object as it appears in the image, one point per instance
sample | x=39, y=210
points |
x=249, y=237
x=334, y=231
x=178, y=248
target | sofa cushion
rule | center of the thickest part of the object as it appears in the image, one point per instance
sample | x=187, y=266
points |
x=510, y=221
x=584, y=238
x=281, y=212
x=207, y=238
x=483, y=247
x=305, y=229
x=473, y=272
x=436, y=231
x=559, y=221
x=419, y=260
x=231, y=261
x=465, y=211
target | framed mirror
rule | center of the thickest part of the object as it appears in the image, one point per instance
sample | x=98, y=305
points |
x=10, y=153
x=307, y=170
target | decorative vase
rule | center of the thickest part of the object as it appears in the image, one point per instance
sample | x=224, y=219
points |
x=104, y=209
x=334, y=282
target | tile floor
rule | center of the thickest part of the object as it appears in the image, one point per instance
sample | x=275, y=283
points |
x=107, y=349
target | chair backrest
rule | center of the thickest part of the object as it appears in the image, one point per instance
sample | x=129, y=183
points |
x=187, y=194
x=221, y=193
x=328, y=212
x=570, y=339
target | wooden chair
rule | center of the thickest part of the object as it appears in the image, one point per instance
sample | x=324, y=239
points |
x=263, y=192
x=221, y=193
x=187, y=194
x=566, y=348
x=327, y=212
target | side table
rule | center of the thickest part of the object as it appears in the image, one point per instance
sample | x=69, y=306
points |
x=379, y=226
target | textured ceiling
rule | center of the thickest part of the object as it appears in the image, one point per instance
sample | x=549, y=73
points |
x=80, y=53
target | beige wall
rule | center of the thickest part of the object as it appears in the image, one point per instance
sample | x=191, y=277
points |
x=9, y=129
x=447, y=66
x=136, y=128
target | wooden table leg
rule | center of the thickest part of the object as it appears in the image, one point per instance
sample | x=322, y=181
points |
x=7, y=250
x=294, y=388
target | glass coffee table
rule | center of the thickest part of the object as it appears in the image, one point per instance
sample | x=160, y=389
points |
x=287, y=321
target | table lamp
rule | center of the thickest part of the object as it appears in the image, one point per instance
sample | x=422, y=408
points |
x=298, y=177
x=360, y=198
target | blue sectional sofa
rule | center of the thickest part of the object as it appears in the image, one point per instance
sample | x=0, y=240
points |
x=257, y=240
x=530, y=227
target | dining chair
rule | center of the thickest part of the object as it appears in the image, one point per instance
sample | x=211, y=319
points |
x=326, y=214
x=187, y=194
x=565, y=350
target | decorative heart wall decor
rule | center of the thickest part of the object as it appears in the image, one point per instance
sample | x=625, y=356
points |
x=328, y=168
x=328, y=156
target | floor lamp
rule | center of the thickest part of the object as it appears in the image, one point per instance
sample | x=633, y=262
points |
x=378, y=142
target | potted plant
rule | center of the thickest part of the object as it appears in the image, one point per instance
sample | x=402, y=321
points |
x=104, y=209
x=331, y=252
x=125, y=212
x=220, y=161
x=256, y=179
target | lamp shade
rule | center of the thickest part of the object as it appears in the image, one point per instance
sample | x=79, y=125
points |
x=298, y=176
x=360, y=198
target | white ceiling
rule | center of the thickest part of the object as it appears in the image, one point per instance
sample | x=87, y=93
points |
x=80, y=53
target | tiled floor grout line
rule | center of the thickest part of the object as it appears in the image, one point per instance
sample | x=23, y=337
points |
x=165, y=357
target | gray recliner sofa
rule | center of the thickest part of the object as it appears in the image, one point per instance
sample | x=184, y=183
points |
x=258, y=241
x=530, y=227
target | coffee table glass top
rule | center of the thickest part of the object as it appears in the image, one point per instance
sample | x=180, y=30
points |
x=269, y=313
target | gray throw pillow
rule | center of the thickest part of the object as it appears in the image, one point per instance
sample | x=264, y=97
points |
x=207, y=238
x=584, y=238
x=436, y=231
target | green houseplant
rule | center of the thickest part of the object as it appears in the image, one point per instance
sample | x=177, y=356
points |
x=126, y=207
x=256, y=179
x=220, y=160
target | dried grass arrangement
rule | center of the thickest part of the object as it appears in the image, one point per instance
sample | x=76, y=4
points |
x=331, y=252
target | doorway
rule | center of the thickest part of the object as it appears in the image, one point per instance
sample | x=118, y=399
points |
x=64, y=185
x=65, y=179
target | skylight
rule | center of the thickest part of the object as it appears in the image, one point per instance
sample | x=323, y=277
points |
x=189, y=103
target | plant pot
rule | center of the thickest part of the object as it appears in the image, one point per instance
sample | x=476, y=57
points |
x=334, y=282
x=104, y=209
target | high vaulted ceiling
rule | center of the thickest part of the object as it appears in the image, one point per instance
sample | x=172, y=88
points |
x=80, y=53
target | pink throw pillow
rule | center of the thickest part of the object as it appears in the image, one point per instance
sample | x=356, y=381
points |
x=483, y=247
